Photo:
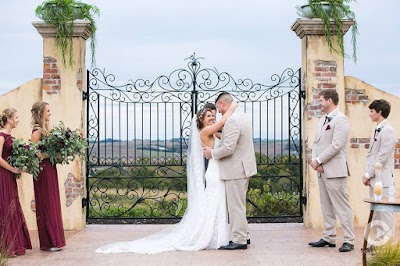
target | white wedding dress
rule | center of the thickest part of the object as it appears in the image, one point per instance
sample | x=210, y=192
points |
x=204, y=224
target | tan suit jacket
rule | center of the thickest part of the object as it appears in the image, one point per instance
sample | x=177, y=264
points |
x=330, y=145
x=381, y=149
x=237, y=162
x=236, y=157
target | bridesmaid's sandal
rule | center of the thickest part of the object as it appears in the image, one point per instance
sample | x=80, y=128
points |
x=54, y=249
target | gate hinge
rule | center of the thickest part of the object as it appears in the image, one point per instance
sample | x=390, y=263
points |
x=303, y=200
x=84, y=95
x=84, y=202
x=303, y=94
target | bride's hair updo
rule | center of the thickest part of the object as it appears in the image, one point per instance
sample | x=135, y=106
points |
x=7, y=113
x=200, y=117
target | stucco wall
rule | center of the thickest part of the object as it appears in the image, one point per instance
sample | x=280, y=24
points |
x=65, y=99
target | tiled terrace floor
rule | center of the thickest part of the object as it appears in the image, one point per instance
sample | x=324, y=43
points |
x=272, y=244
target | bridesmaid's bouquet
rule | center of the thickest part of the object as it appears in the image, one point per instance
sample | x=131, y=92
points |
x=63, y=144
x=24, y=156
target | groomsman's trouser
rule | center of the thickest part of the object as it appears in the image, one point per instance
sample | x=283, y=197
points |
x=335, y=201
x=382, y=232
x=236, y=190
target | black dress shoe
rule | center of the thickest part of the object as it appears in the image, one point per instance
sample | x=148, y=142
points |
x=248, y=242
x=346, y=247
x=321, y=243
x=233, y=246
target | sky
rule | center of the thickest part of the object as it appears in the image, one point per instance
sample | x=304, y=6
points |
x=246, y=38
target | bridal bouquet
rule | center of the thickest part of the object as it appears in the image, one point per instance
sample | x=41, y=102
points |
x=63, y=144
x=24, y=157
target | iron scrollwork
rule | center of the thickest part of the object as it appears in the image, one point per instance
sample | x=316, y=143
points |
x=139, y=132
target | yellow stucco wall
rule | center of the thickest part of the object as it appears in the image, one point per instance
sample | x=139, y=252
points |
x=68, y=106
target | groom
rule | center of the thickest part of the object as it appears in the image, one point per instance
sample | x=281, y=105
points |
x=237, y=162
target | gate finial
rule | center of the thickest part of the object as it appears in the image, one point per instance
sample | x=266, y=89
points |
x=194, y=59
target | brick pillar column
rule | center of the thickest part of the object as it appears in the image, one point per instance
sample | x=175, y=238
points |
x=63, y=88
x=321, y=69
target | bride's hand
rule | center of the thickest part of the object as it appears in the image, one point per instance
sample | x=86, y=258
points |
x=234, y=105
x=217, y=135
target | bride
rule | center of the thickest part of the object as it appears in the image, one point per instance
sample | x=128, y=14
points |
x=205, y=223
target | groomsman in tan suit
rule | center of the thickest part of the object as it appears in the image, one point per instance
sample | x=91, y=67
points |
x=237, y=162
x=329, y=155
x=381, y=150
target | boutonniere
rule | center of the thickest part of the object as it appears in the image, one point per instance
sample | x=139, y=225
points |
x=376, y=133
x=328, y=127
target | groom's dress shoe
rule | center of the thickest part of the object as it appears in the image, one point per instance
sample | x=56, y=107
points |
x=233, y=246
x=248, y=242
x=321, y=243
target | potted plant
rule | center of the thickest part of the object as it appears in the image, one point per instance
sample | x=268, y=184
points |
x=61, y=14
x=332, y=11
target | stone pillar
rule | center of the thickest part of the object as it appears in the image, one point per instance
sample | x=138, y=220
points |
x=321, y=69
x=63, y=87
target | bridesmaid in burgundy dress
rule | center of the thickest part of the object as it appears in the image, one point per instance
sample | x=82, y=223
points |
x=47, y=194
x=14, y=233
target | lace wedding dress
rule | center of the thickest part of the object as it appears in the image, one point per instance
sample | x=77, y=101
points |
x=204, y=224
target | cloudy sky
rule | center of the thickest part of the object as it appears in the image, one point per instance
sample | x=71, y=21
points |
x=247, y=38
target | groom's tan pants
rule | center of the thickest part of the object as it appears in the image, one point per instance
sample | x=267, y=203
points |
x=236, y=190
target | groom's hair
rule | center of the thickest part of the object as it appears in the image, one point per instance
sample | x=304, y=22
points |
x=224, y=97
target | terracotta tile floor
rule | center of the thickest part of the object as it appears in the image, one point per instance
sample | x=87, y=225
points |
x=271, y=244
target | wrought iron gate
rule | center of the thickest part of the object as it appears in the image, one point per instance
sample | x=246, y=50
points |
x=138, y=134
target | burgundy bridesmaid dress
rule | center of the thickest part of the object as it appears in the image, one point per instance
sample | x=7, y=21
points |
x=14, y=234
x=48, y=207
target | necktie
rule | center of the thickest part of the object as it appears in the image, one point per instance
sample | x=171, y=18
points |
x=326, y=120
x=377, y=130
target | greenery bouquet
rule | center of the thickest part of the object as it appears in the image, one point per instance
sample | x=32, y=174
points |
x=24, y=156
x=63, y=144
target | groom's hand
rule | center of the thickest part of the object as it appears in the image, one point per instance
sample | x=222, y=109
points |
x=207, y=152
x=314, y=164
